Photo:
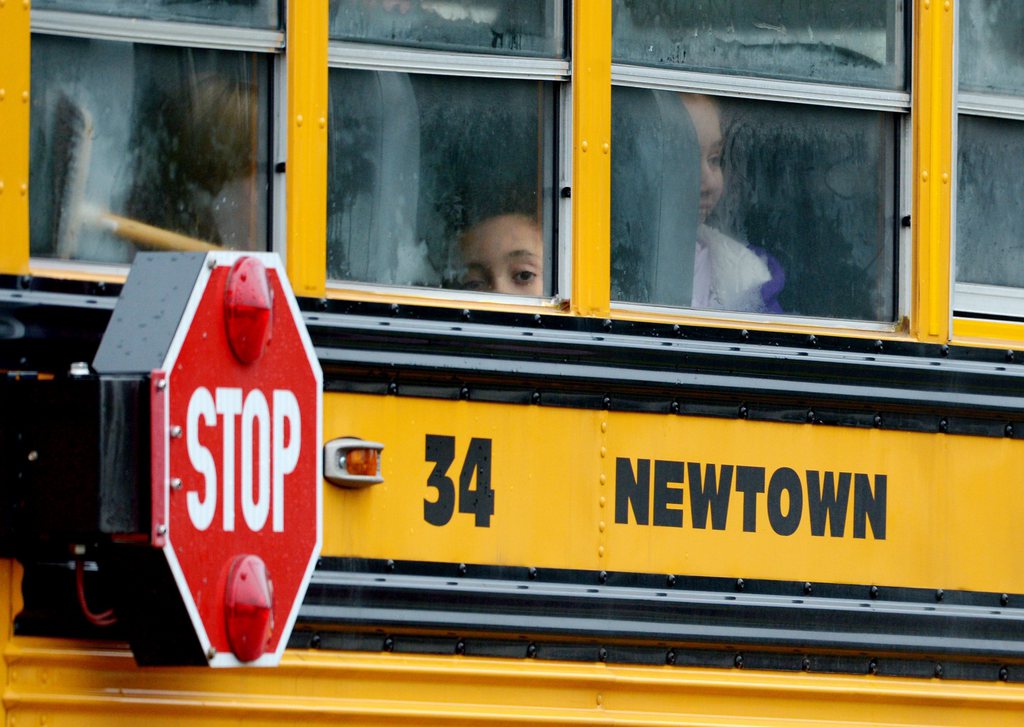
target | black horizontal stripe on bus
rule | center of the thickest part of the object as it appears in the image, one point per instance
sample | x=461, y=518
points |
x=644, y=618
x=587, y=363
x=576, y=363
x=633, y=655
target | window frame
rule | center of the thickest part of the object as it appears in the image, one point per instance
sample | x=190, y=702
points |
x=971, y=303
x=899, y=103
x=375, y=56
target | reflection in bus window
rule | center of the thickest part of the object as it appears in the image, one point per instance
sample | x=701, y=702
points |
x=175, y=138
x=804, y=195
x=510, y=27
x=246, y=13
x=990, y=136
x=416, y=161
x=992, y=46
x=990, y=217
x=853, y=42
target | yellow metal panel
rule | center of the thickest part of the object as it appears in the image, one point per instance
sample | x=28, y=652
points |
x=306, y=168
x=591, y=157
x=14, y=114
x=949, y=501
x=932, y=112
x=57, y=683
x=987, y=333
x=10, y=604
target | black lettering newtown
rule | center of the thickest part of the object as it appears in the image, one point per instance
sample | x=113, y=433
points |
x=818, y=501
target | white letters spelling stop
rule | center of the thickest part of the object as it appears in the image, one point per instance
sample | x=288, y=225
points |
x=270, y=443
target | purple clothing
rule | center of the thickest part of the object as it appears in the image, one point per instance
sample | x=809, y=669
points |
x=770, y=291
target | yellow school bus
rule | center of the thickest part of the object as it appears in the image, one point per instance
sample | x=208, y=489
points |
x=687, y=337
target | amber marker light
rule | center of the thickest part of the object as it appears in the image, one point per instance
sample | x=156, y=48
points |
x=353, y=462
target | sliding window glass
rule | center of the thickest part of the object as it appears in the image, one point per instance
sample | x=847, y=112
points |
x=442, y=144
x=755, y=156
x=990, y=155
x=150, y=134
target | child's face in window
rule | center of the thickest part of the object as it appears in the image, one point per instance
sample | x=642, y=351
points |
x=704, y=113
x=503, y=254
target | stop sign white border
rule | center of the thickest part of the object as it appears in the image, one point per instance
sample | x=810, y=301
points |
x=161, y=464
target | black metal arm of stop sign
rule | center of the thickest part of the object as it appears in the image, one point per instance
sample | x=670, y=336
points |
x=74, y=469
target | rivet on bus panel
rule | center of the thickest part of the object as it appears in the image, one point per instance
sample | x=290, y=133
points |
x=584, y=145
x=600, y=551
x=604, y=452
x=601, y=501
x=3, y=93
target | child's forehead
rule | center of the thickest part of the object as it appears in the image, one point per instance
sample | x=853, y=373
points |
x=706, y=120
x=505, y=230
x=701, y=107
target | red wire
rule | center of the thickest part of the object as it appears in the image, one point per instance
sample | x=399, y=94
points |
x=107, y=618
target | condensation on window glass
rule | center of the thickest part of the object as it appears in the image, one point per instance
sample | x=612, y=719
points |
x=992, y=46
x=440, y=182
x=509, y=27
x=989, y=213
x=855, y=42
x=246, y=13
x=174, y=138
x=721, y=204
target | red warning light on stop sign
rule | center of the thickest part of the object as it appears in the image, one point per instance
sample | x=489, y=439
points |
x=243, y=465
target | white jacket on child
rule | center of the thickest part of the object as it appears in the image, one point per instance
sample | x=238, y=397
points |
x=727, y=274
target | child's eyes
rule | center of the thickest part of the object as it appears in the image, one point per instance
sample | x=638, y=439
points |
x=474, y=284
x=524, y=277
x=715, y=160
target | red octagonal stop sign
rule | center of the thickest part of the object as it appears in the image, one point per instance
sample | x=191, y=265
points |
x=236, y=459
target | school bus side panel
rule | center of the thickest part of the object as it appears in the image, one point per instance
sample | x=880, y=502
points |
x=659, y=493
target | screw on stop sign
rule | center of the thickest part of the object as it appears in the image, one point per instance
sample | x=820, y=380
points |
x=249, y=607
x=248, y=309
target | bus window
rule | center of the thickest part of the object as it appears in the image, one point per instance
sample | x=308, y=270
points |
x=767, y=206
x=130, y=136
x=158, y=144
x=990, y=134
x=244, y=13
x=800, y=219
x=846, y=42
x=424, y=170
x=442, y=164
x=512, y=27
